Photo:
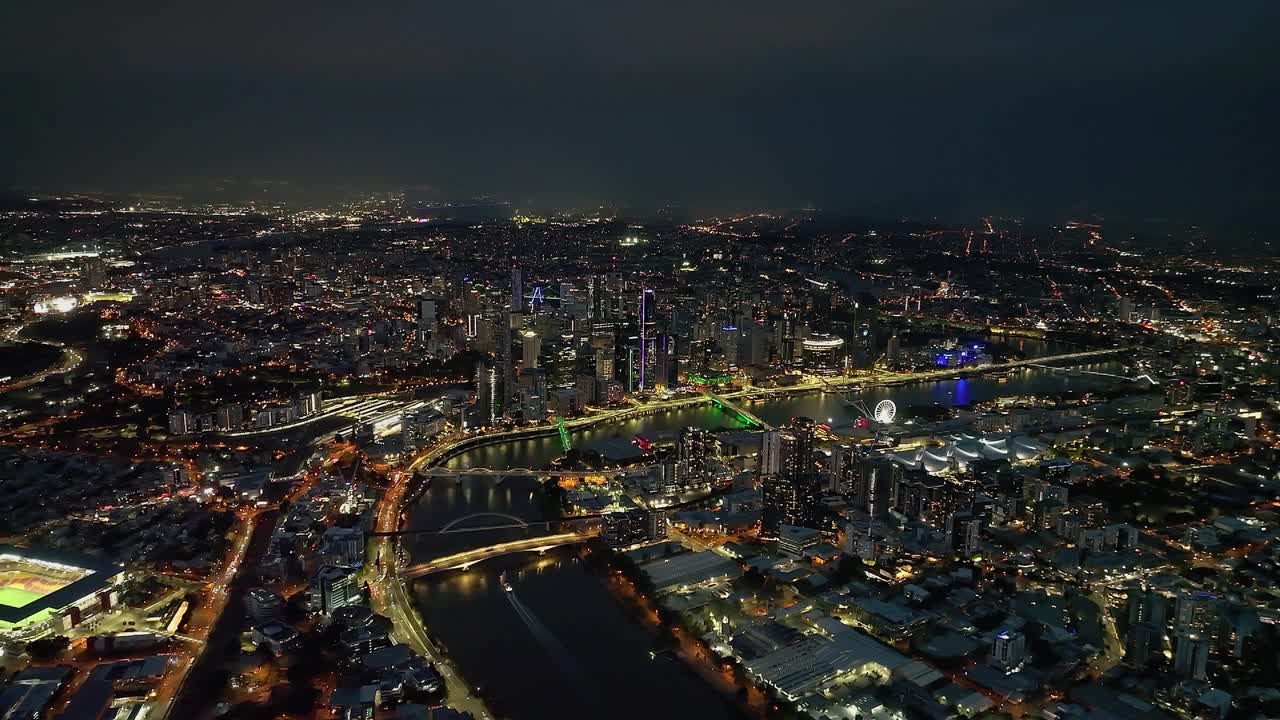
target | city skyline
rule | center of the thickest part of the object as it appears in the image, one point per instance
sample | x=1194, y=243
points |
x=734, y=361
x=1136, y=110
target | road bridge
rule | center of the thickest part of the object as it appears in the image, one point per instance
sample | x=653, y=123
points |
x=465, y=559
x=1079, y=371
x=742, y=414
x=507, y=472
x=511, y=522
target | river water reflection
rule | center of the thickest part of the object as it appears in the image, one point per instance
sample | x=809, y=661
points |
x=560, y=645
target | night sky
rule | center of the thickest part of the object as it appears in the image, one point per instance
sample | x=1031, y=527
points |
x=1164, y=109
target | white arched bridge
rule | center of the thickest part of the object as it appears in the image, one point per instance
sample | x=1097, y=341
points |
x=467, y=558
x=459, y=525
x=527, y=472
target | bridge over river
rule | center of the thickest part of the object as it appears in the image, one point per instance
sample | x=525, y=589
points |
x=467, y=558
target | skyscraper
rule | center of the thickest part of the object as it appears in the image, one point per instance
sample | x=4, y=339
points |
x=666, y=366
x=531, y=347
x=962, y=532
x=486, y=393
x=517, y=290
x=1191, y=656
x=427, y=314
x=693, y=452
x=797, y=446
x=646, y=304
x=1142, y=644
x=793, y=494
x=770, y=459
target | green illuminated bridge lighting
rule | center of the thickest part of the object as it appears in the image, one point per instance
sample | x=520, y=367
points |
x=744, y=416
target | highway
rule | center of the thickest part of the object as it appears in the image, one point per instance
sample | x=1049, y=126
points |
x=70, y=360
x=389, y=596
x=177, y=687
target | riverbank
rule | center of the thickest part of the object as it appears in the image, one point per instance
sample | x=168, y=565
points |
x=468, y=610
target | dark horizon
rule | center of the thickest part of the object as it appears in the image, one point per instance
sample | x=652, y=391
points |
x=928, y=110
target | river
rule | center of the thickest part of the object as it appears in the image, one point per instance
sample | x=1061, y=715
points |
x=562, y=646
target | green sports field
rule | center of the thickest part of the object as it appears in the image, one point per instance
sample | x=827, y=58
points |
x=13, y=597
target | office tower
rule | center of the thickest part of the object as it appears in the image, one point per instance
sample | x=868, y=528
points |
x=962, y=533
x=181, y=422
x=343, y=546
x=1144, y=642
x=531, y=347
x=487, y=393
x=891, y=349
x=753, y=348
x=770, y=459
x=666, y=371
x=646, y=307
x=604, y=363
x=506, y=362
x=823, y=355
x=1124, y=309
x=263, y=606
x=1197, y=612
x=1008, y=650
x=727, y=338
x=1191, y=656
x=598, y=299
x=427, y=319
x=531, y=396
x=230, y=417
x=517, y=290
x=94, y=273
x=873, y=485
x=1145, y=606
x=334, y=587
x=836, y=465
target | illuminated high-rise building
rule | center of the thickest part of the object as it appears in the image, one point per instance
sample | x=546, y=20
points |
x=1191, y=656
x=693, y=452
x=646, y=307
x=797, y=446
x=531, y=347
x=517, y=289
x=487, y=393
x=793, y=494
x=597, y=299
x=769, y=462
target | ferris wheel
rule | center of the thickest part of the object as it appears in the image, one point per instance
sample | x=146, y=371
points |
x=885, y=412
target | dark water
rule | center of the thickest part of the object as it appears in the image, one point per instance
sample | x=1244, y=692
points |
x=21, y=359
x=559, y=646
x=825, y=407
x=563, y=647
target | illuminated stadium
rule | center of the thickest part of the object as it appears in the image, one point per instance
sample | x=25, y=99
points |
x=45, y=590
